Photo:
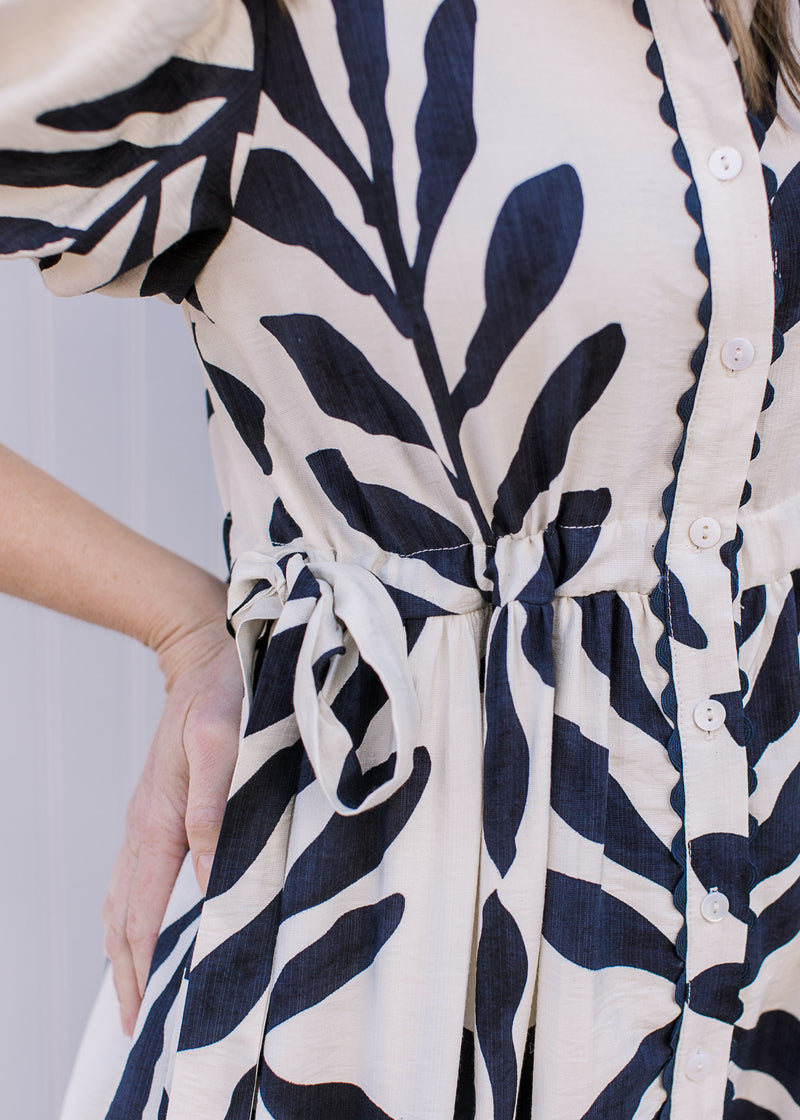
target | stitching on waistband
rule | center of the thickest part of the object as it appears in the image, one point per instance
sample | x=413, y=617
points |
x=425, y=551
x=493, y=544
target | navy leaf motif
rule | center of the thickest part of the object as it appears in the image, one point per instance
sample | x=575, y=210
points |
x=579, y=782
x=285, y=1100
x=445, y=129
x=342, y=381
x=31, y=233
x=358, y=701
x=278, y=198
x=741, y=1109
x=593, y=803
x=465, y=1087
x=163, y=91
x=501, y=973
x=775, y=843
x=570, y=392
x=715, y=992
x=355, y=784
x=348, y=848
x=524, y=1109
x=283, y=529
x=413, y=608
x=530, y=251
x=163, y=1106
x=796, y=591
x=775, y=926
x=607, y=638
x=772, y=711
x=506, y=766
x=78, y=169
x=241, y=1106
x=622, y=1095
x=273, y=697
x=414, y=628
x=609, y=934
x=681, y=626
x=169, y=937
x=584, y=509
x=537, y=640
x=571, y=538
x=227, y=526
x=226, y=985
x=347, y=949
x=245, y=409
x=771, y=1047
x=290, y=86
x=251, y=816
x=134, y=1087
x=395, y=522
x=166, y=90
x=786, y=230
x=362, y=40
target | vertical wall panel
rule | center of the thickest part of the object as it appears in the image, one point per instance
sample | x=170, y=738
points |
x=107, y=395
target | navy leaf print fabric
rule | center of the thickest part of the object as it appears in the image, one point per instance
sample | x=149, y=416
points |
x=445, y=112
x=532, y=246
x=570, y=392
x=500, y=975
x=496, y=307
x=280, y=200
x=287, y=1101
x=342, y=381
x=398, y=523
x=245, y=410
x=347, y=948
x=506, y=757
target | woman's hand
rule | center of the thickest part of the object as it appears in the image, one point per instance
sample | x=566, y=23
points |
x=106, y=573
x=179, y=801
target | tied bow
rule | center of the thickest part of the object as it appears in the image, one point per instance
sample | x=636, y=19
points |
x=327, y=597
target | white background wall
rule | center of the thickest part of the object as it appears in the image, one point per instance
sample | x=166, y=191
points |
x=106, y=395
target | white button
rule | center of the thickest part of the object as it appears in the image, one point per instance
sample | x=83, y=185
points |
x=704, y=532
x=737, y=353
x=709, y=715
x=698, y=1067
x=714, y=906
x=725, y=163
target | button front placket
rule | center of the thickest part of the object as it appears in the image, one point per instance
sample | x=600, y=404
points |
x=701, y=548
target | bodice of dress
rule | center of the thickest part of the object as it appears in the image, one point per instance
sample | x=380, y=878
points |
x=496, y=306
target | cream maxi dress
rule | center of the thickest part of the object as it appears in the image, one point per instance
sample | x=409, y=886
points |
x=496, y=302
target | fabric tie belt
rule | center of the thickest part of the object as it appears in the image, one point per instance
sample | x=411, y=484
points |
x=319, y=598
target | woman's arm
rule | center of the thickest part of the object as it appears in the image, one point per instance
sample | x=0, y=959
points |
x=60, y=551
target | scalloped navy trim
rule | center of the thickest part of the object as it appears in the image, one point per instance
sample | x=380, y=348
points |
x=659, y=595
x=728, y=553
x=731, y=562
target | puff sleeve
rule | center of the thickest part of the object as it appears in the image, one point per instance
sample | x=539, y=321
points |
x=124, y=129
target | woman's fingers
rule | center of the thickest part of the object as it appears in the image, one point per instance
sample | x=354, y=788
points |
x=179, y=802
x=160, y=857
x=211, y=742
x=161, y=845
x=115, y=941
